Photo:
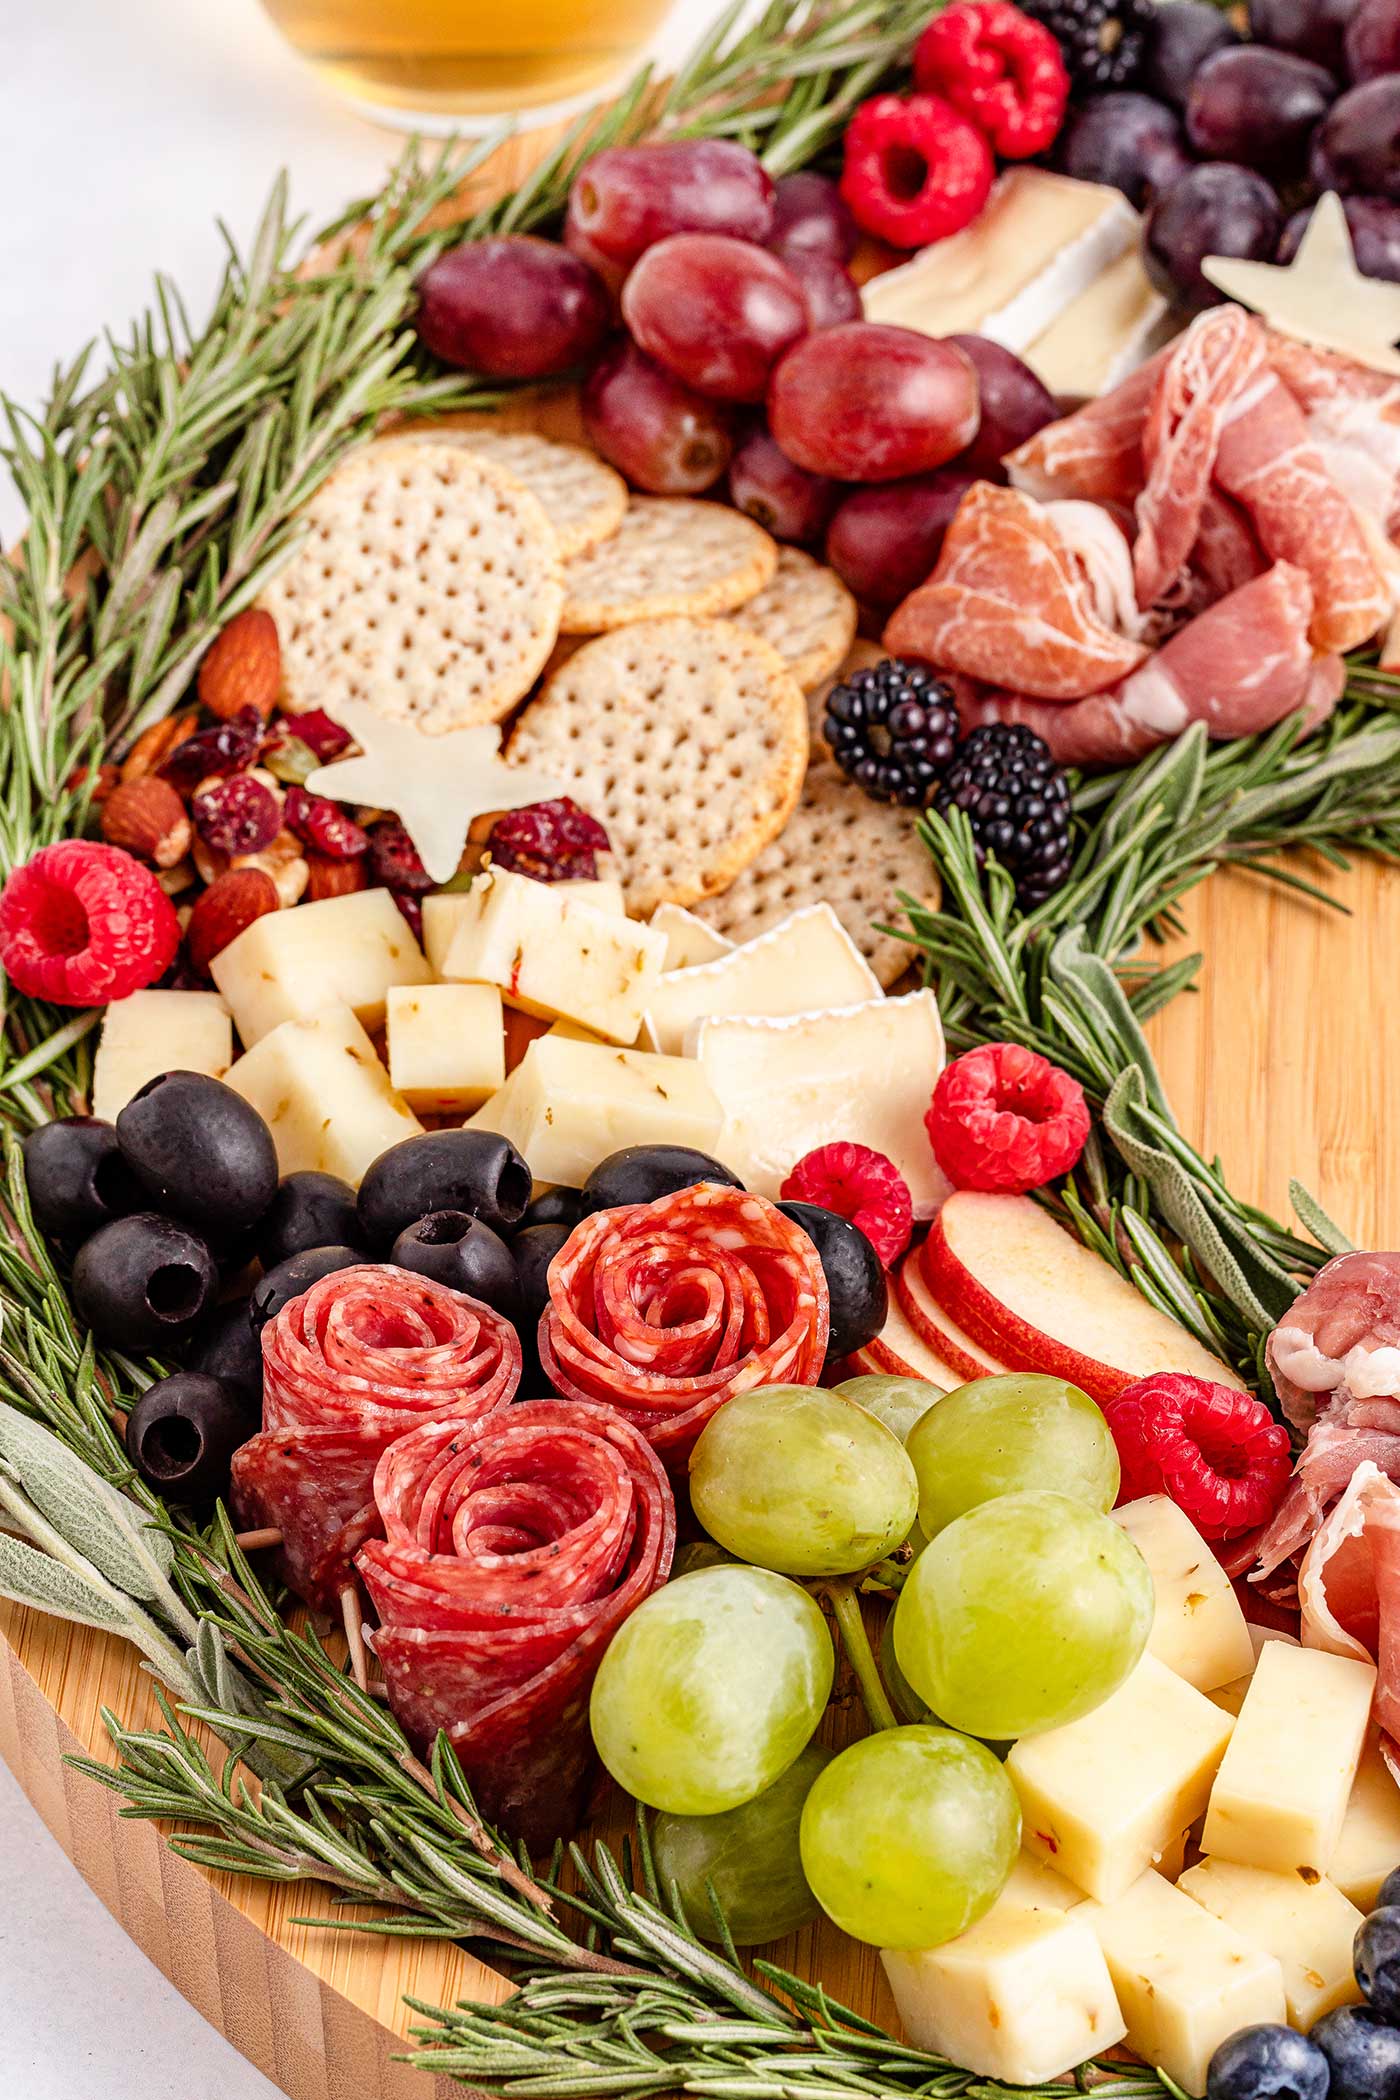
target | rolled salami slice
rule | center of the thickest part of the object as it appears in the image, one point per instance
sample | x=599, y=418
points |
x=364, y=1355
x=665, y=1310
x=511, y=1553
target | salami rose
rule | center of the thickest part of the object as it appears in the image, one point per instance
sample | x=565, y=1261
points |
x=512, y=1551
x=665, y=1310
x=362, y=1356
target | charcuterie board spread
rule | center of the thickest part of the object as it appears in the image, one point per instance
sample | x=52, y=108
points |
x=610, y=1325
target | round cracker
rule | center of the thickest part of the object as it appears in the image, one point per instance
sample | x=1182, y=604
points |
x=428, y=585
x=686, y=738
x=670, y=556
x=808, y=615
x=583, y=498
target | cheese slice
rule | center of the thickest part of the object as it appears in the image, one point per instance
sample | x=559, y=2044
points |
x=863, y=1073
x=323, y=1094
x=1198, y=1629
x=1037, y=244
x=1369, y=1845
x=569, y=1104
x=689, y=941
x=1308, y=1926
x=153, y=1032
x=1104, y=334
x=806, y=963
x=1284, y=1782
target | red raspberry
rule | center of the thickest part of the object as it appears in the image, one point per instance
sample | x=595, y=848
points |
x=551, y=841
x=237, y=815
x=1003, y=1118
x=1000, y=69
x=1217, y=1452
x=83, y=924
x=858, y=1183
x=394, y=859
x=915, y=170
x=319, y=822
x=228, y=747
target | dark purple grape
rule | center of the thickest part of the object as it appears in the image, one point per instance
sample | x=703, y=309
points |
x=1357, y=145
x=716, y=312
x=626, y=197
x=884, y=541
x=514, y=308
x=1135, y=144
x=829, y=291
x=1259, y=107
x=1216, y=209
x=1373, y=40
x=1375, y=235
x=1182, y=38
x=1015, y=404
x=810, y=214
x=664, y=437
x=1313, y=29
x=783, y=498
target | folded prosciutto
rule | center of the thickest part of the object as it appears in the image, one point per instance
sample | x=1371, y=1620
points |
x=665, y=1310
x=512, y=1551
x=1349, y=1588
x=364, y=1355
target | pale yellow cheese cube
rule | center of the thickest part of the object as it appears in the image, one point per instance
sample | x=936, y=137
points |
x=553, y=956
x=1198, y=1630
x=289, y=965
x=807, y=963
x=1110, y=1795
x=1369, y=1845
x=324, y=1095
x=442, y=915
x=603, y=892
x=154, y=1032
x=1034, y=1885
x=1231, y=1695
x=689, y=941
x=1023, y=1995
x=1307, y=1925
x=1282, y=1789
x=568, y=1104
x=1184, y=1980
x=447, y=1046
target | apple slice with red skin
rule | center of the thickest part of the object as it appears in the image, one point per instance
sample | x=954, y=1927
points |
x=1045, y=1302
x=901, y=1352
x=936, y=1327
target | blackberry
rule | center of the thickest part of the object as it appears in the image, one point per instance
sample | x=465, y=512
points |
x=892, y=730
x=1104, y=42
x=1017, y=801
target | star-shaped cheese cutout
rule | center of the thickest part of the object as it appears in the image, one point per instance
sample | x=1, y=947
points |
x=1320, y=297
x=435, y=785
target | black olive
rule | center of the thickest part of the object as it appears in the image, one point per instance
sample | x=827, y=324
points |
x=77, y=1177
x=278, y=1286
x=641, y=1173
x=200, y=1151
x=182, y=1434
x=860, y=1298
x=464, y=1254
x=469, y=1170
x=534, y=1250
x=142, y=1281
x=226, y=1347
x=308, y=1210
x=559, y=1206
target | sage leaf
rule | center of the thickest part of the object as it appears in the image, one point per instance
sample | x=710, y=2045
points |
x=1314, y=1219
x=30, y=1577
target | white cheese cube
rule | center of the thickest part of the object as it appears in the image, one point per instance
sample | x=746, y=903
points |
x=1231, y=1695
x=1308, y=1927
x=1032, y=1885
x=554, y=956
x=154, y=1032
x=1023, y=1995
x=1110, y=1795
x=442, y=915
x=689, y=941
x=1369, y=1846
x=289, y=965
x=865, y=1073
x=324, y=1095
x=446, y=1044
x=1184, y=1980
x=1198, y=1630
x=805, y=964
x=568, y=1104
x=603, y=892
x=1282, y=1789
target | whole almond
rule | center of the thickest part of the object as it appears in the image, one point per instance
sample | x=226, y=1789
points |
x=154, y=745
x=334, y=878
x=243, y=666
x=147, y=817
x=226, y=907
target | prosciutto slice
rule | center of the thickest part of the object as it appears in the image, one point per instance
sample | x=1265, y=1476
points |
x=512, y=1551
x=1349, y=1586
x=364, y=1355
x=1095, y=453
x=1219, y=356
x=665, y=1310
x=1340, y=1339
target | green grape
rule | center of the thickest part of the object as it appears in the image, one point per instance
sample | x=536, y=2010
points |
x=897, y=1402
x=908, y=1836
x=749, y=1854
x=801, y=1480
x=711, y=1688
x=697, y=1554
x=1023, y=1615
x=1000, y=1435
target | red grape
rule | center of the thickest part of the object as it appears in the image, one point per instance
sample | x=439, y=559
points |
x=610, y=273
x=1357, y=145
x=1015, y=404
x=783, y=498
x=809, y=213
x=883, y=542
x=829, y=291
x=1312, y=28
x=717, y=312
x=866, y=402
x=1256, y=106
x=662, y=436
x=511, y=308
x=626, y=197
x=1181, y=38
x=1127, y=140
x=1373, y=40
x=1215, y=209
x=1375, y=235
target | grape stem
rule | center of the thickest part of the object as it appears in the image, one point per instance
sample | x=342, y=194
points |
x=850, y=1624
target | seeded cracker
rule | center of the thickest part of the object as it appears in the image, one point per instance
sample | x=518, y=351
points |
x=808, y=615
x=686, y=738
x=583, y=498
x=669, y=556
x=428, y=586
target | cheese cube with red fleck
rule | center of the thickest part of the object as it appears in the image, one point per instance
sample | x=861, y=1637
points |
x=1198, y=1629
x=446, y=1045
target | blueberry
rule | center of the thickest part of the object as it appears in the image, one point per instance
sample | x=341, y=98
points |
x=1390, y=1890
x=182, y=1434
x=534, y=1250
x=226, y=1347
x=308, y=1210
x=1267, y=2063
x=469, y=1170
x=1378, y=1961
x=465, y=1255
x=860, y=1298
x=277, y=1287
x=200, y=1151
x=1363, y=2053
x=642, y=1173
x=559, y=1206
x=142, y=1281
x=77, y=1177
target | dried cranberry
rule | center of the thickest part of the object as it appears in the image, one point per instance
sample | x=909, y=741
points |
x=412, y=912
x=238, y=815
x=227, y=747
x=316, y=729
x=394, y=858
x=551, y=841
x=319, y=822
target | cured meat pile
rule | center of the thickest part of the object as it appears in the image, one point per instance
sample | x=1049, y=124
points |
x=512, y=1552
x=665, y=1310
x=362, y=1356
x=1201, y=544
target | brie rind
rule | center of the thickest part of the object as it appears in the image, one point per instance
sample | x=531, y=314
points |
x=806, y=963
